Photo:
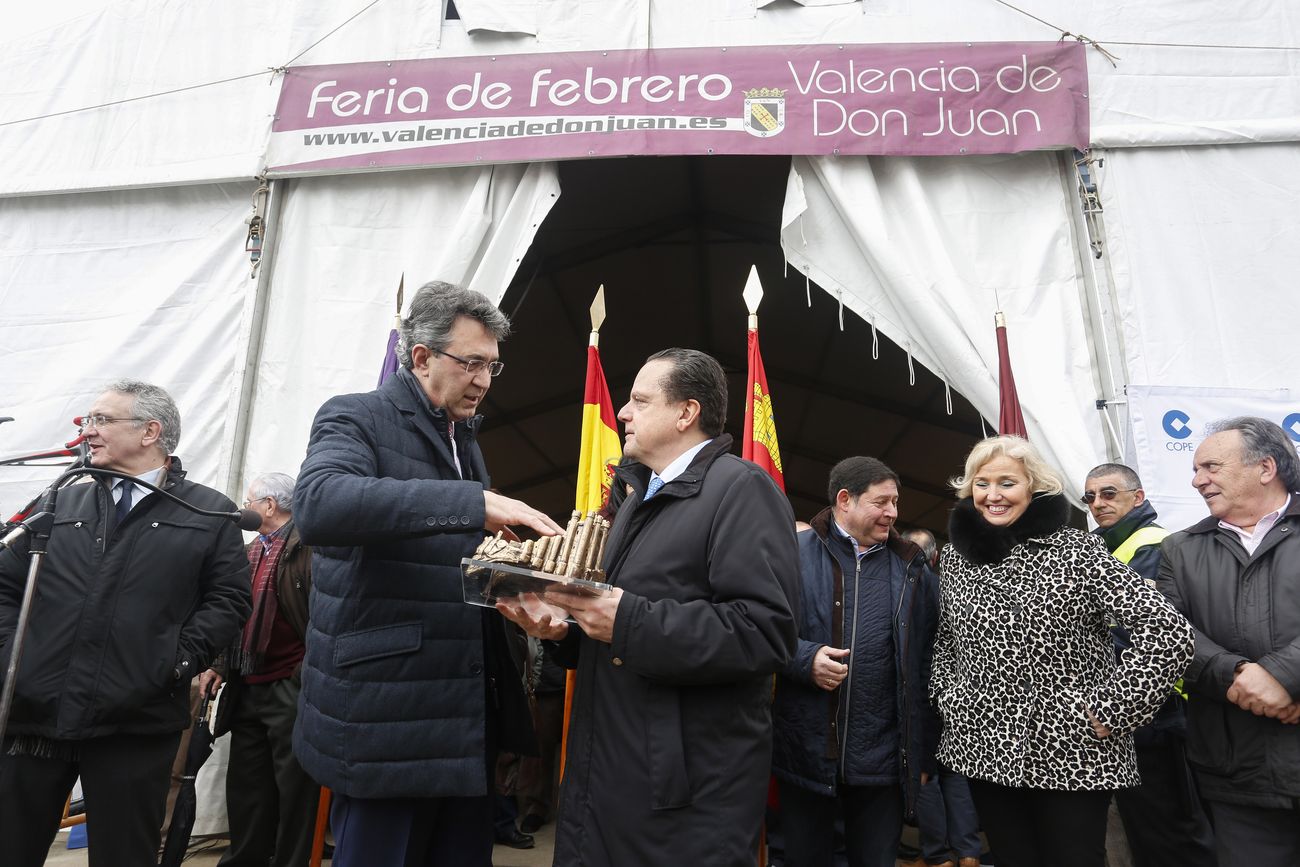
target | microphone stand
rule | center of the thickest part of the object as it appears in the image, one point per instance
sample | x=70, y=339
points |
x=39, y=525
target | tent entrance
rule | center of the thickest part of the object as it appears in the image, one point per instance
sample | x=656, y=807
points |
x=672, y=240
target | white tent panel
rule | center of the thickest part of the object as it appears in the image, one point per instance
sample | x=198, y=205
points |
x=928, y=249
x=146, y=284
x=217, y=57
x=71, y=95
x=345, y=244
x=1203, y=253
x=1154, y=95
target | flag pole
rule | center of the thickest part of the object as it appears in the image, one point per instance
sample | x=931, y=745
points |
x=597, y=315
x=1011, y=419
x=599, y=444
x=759, y=440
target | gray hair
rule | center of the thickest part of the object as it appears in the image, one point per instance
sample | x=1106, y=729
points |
x=924, y=540
x=1127, y=473
x=434, y=311
x=152, y=403
x=1261, y=438
x=277, y=486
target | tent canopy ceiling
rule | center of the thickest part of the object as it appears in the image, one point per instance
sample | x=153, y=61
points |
x=672, y=240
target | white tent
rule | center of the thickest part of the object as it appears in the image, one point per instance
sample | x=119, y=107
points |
x=133, y=136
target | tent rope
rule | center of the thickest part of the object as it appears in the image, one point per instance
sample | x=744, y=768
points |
x=839, y=293
x=875, y=341
x=911, y=371
x=1065, y=33
x=273, y=70
x=947, y=396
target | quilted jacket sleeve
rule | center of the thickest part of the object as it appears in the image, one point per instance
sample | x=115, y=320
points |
x=342, y=498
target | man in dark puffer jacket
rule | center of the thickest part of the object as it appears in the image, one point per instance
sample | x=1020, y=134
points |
x=854, y=726
x=407, y=692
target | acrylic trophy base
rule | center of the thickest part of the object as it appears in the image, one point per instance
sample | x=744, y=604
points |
x=483, y=583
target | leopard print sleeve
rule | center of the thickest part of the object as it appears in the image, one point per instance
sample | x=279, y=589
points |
x=1162, y=641
x=941, y=655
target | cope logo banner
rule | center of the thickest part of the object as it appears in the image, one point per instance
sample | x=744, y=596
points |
x=1168, y=423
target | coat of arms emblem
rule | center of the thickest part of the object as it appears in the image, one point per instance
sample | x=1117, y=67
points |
x=764, y=111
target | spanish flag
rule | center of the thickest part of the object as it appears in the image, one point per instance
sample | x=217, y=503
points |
x=759, y=444
x=601, y=448
x=600, y=453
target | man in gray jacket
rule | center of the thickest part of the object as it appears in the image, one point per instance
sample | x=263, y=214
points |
x=1236, y=576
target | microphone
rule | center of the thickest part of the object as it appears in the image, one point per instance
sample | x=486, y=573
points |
x=247, y=519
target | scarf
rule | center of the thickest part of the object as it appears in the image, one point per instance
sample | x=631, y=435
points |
x=264, y=562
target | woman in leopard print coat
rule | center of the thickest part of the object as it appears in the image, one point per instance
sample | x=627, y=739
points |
x=1036, y=711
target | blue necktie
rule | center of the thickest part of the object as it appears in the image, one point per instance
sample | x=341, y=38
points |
x=124, y=502
x=655, y=484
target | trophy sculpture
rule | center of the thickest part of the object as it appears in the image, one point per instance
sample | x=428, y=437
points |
x=569, y=563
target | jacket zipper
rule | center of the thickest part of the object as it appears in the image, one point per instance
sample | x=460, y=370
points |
x=847, y=686
x=905, y=716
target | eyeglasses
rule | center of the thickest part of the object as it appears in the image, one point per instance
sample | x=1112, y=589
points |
x=1106, y=494
x=98, y=421
x=249, y=503
x=473, y=365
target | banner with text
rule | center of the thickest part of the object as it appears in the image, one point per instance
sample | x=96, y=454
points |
x=1168, y=423
x=909, y=100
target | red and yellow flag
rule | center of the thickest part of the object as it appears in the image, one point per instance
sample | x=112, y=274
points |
x=759, y=444
x=600, y=453
x=601, y=448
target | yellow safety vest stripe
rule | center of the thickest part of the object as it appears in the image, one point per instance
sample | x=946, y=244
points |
x=1140, y=539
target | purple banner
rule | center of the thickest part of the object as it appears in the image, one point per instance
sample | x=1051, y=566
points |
x=909, y=100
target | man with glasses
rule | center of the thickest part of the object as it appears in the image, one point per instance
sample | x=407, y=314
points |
x=1162, y=818
x=1236, y=577
x=135, y=597
x=407, y=692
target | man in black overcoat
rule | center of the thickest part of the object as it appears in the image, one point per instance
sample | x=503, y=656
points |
x=671, y=733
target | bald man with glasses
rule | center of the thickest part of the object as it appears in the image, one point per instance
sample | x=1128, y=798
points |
x=1162, y=818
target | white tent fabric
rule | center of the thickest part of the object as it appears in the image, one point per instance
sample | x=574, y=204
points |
x=1203, y=251
x=928, y=249
x=345, y=244
x=149, y=284
x=206, y=131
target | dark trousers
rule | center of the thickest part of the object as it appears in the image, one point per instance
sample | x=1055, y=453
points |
x=1163, y=818
x=1256, y=836
x=946, y=818
x=412, y=832
x=537, y=774
x=873, y=823
x=1034, y=827
x=270, y=799
x=124, y=779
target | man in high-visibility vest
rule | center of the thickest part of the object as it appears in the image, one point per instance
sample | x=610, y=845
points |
x=1163, y=818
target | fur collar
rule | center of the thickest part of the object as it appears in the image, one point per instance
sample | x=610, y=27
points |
x=983, y=543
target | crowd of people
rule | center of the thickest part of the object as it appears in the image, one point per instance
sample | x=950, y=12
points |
x=1003, y=689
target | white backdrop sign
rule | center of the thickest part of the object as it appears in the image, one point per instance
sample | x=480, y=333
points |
x=1168, y=423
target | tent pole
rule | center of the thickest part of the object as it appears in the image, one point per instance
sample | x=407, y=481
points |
x=1105, y=338
x=256, y=338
